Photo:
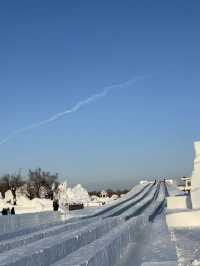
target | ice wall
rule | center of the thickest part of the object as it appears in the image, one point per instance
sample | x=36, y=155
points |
x=195, y=180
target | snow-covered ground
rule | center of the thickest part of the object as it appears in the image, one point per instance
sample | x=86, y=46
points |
x=65, y=195
x=24, y=205
x=187, y=243
x=184, y=219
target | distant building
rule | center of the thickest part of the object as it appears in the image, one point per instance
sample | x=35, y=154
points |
x=185, y=184
x=104, y=194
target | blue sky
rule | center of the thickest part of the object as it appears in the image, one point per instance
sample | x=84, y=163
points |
x=56, y=53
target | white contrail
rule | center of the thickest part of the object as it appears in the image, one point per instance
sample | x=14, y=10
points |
x=74, y=109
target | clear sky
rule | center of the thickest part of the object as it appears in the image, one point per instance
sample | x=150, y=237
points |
x=54, y=54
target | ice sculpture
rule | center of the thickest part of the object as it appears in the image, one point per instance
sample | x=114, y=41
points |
x=80, y=194
x=195, y=179
x=62, y=196
x=9, y=197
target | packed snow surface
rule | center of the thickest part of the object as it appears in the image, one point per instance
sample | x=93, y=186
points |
x=187, y=243
x=184, y=219
x=177, y=202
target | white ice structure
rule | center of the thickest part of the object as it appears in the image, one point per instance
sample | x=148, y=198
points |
x=195, y=179
x=67, y=195
x=81, y=194
x=63, y=196
x=9, y=197
x=104, y=194
x=177, y=203
x=191, y=218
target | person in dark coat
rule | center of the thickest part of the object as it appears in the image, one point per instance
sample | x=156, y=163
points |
x=12, y=212
x=4, y=211
x=55, y=205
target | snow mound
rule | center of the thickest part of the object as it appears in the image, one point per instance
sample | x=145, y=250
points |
x=78, y=194
x=67, y=195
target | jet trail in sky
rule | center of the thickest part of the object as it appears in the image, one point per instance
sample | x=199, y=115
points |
x=74, y=109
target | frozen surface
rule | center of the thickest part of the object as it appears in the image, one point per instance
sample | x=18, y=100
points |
x=50, y=249
x=106, y=251
x=165, y=263
x=153, y=245
x=188, y=246
x=30, y=237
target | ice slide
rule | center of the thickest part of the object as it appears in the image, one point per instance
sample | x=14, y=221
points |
x=109, y=249
x=98, y=240
x=137, y=193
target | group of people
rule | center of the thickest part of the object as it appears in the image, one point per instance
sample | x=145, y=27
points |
x=7, y=211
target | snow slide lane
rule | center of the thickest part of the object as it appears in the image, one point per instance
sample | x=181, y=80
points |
x=139, y=201
x=108, y=250
x=51, y=249
x=118, y=210
x=28, y=238
x=134, y=193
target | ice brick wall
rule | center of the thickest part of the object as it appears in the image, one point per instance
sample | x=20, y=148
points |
x=26, y=237
x=53, y=248
x=107, y=250
x=12, y=223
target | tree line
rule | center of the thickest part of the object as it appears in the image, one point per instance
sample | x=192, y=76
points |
x=33, y=185
x=38, y=183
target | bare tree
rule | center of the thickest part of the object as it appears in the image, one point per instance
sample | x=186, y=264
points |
x=38, y=179
x=11, y=182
